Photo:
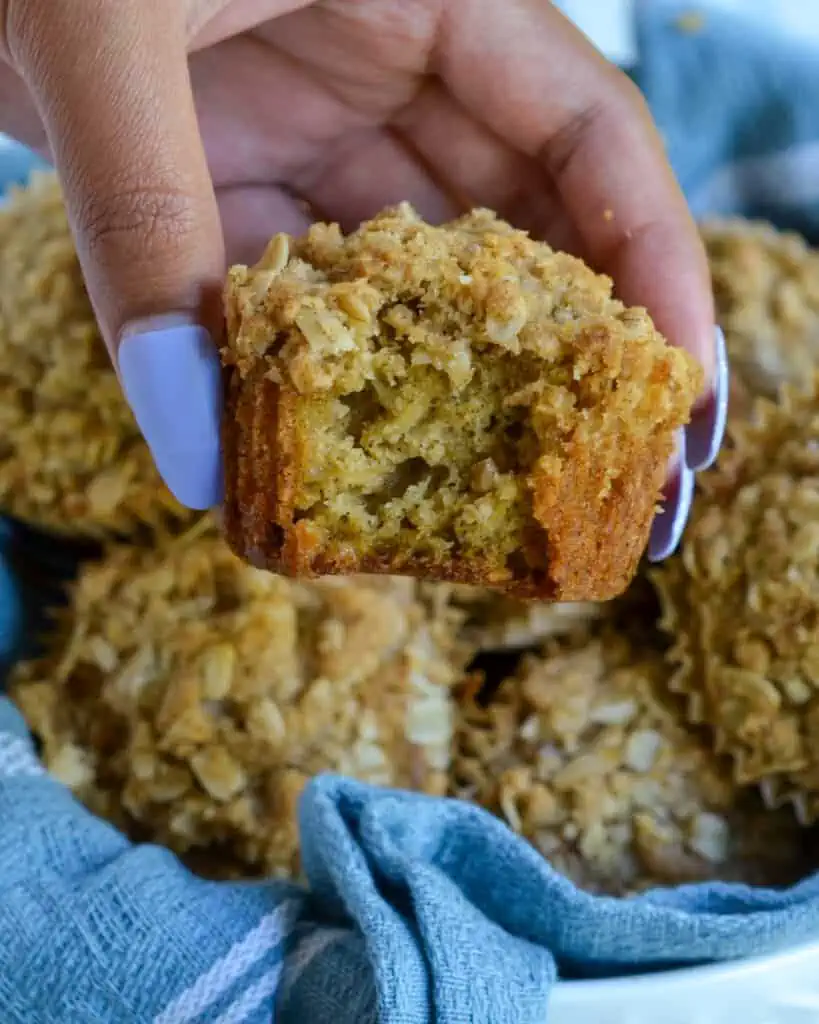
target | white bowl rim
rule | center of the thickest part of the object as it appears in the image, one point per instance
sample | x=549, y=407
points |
x=734, y=969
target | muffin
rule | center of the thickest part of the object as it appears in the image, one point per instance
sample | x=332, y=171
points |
x=72, y=459
x=188, y=697
x=457, y=403
x=582, y=752
x=741, y=601
x=766, y=289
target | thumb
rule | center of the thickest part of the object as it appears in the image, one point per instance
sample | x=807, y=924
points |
x=110, y=79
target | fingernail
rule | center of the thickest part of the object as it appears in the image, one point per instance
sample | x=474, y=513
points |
x=172, y=381
x=669, y=523
x=707, y=427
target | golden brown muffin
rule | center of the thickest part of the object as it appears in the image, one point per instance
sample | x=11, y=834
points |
x=71, y=458
x=188, y=697
x=741, y=601
x=457, y=403
x=766, y=287
x=583, y=753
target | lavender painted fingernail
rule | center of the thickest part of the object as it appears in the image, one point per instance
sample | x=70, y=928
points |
x=707, y=427
x=172, y=380
x=668, y=525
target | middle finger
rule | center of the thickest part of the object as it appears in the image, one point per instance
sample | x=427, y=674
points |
x=483, y=169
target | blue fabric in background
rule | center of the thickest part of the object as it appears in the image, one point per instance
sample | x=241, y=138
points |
x=419, y=909
x=737, y=108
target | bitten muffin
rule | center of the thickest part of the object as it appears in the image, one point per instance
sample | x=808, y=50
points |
x=188, y=697
x=72, y=458
x=741, y=601
x=584, y=753
x=456, y=403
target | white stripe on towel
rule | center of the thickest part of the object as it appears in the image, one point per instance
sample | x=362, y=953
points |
x=268, y=933
x=250, y=1000
x=17, y=757
x=301, y=957
x=290, y=970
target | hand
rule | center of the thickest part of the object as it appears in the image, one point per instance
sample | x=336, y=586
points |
x=348, y=105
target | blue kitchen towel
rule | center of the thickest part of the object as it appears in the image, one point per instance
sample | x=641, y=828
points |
x=418, y=910
x=737, y=109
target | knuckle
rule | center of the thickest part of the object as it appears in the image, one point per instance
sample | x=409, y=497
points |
x=564, y=145
x=138, y=223
x=618, y=101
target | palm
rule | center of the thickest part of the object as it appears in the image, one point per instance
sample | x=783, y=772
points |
x=341, y=111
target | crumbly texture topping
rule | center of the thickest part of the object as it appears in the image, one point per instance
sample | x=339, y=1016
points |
x=766, y=287
x=741, y=602
x=71, y=457
x=492, y=621
x=452, y=390
x=583, y=754
x=188, y=697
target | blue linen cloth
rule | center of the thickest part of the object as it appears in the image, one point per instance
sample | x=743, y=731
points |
x=418, y=910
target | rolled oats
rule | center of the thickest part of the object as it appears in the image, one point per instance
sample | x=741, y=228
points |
x=766, y=287
x=584, y=754
x=494, y=621
x=189, y=698
x=72, y=458
x=741, y=602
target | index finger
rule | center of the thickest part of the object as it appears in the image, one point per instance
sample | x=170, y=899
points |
x=546, y=90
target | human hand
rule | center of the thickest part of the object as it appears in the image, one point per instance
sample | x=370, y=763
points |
x=349, y=105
